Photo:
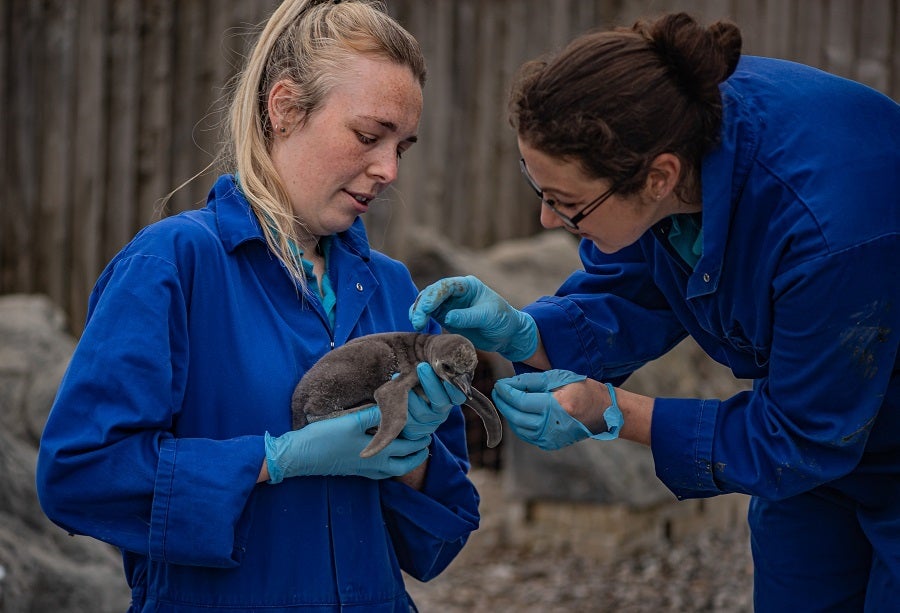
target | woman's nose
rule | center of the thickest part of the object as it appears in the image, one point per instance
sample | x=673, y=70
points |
x=385, y=166
x=549, y=219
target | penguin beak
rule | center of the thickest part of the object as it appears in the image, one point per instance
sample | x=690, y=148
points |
x=463, y=382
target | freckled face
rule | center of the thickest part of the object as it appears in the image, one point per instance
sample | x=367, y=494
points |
x=617, y=223
x=335, y=161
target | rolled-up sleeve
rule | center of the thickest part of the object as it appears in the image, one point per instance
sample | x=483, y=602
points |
x=682, y=434
x=199, y=499
x=109, y=465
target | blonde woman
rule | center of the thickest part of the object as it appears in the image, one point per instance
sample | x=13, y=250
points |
x=170, y=436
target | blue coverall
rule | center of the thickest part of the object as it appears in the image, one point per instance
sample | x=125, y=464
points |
x=797, y=288
x=195, y=339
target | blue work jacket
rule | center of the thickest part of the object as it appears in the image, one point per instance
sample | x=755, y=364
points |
x=195, y=338
x=797, y=288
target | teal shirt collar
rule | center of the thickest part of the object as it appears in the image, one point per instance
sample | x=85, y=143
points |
x=686, y=236
x=324, y=289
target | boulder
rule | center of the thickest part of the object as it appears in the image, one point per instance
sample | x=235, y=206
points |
x=41, y=567
x=619, y=472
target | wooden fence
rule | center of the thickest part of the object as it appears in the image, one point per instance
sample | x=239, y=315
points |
x=107, y=105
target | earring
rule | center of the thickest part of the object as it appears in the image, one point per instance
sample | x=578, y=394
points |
x=282, y=129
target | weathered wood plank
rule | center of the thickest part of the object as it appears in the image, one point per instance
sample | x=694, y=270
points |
x=873, y=64
x=21, y=185
x=486, y=123
x=56, y=200
x=7, y=258
x=778, y=29
x=190, y=98
x=709, y=10
x=155, y=135
x=90, y=162
x=516, y=208
x=124, y=125
x=438, y=115
x=894, y=90
x=458, y=179
x=809, y=44
x=840, y=43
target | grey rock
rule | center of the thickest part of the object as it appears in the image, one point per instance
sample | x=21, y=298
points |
x=41, y=567
x=602, y=472
x=34, y=352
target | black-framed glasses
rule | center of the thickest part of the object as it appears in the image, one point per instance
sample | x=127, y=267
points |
x=571, y=222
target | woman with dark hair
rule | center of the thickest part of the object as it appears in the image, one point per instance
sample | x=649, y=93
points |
x=170, y=437
x=749, y=203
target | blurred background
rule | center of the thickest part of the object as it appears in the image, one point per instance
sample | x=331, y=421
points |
x=107, y=106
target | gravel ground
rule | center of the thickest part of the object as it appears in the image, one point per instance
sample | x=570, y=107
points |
x=709, y=573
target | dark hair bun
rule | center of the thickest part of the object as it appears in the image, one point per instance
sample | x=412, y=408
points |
x=726, y=37
x=698, y=57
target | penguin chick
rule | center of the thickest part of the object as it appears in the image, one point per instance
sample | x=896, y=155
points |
x=360, y=374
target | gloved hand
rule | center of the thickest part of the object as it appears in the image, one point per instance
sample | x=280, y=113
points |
x=536, y=417
x=426, y=414
x=466, y=306
x=332, y=446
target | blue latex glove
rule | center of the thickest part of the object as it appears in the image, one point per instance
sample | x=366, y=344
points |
x=466, y=306
x=427, y=414
x=536, y=417
x=332, y=446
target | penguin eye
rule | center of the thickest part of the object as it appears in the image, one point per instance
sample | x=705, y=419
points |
x=440, y=369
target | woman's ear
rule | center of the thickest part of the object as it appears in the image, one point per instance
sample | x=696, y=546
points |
x=665, y=171
x=283, y=112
